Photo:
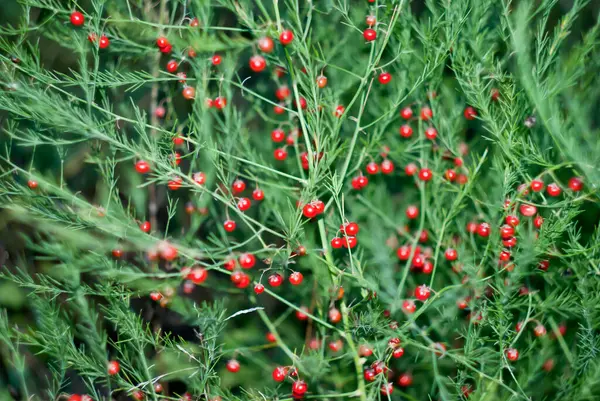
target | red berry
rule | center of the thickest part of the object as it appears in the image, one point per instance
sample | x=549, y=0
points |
x=412, y=212
x=538, y=221
x=197, y=275
x=162, y=42
x=142, y=167
x=336, y=243
x=553, y=189
x=175, y=183
x=387, y=166
x=349, y=242
x=104, y=42
x=350, y=228
x=425, y=174
x=189, y=93
x=145, y=226
x=282, y=93
x=220, y=103
x=426, y=113
x=512, y=354
x=216, y=59
x=537, y=185
x=406, y=131
x=405, y=380
x=371, y=19
x=527, y=210
x=372, y=168
x=451, y=254
x=270, y=336
x=410, y=169
x=321, y=81
x=339, y=111
x=365, y=350
x=506, y=231
x=265, y=44
x=431, y=133
x=238, y=186
x=199, y=178
x=450, y=175
x=247, y=260
x=259, y=288
x=279, y=374
x=470, y=113
x=369, y=34
x=275, y=280
x=172, y=66
x=309, y=211
x=277, y=135
x=403, y=252
x=296, y=278
x=387, y=389
x=244, y=204
x=229, y=226
x=77, y=18
x=422, y=292
x=398, y=352
x=539, y=330
x=483, y=229
x=113, y=368
x=299, y=388
x=576, y=184
x=334, y=315
x=369, y=375
x=257, y=63
x=32, y=184
x=258, y=194
x=385, y=78
x=512, y=220
x=233, y=366
x=286, y=37
x=406, y=113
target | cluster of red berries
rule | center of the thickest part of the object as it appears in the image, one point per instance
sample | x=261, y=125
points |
x=349, y=240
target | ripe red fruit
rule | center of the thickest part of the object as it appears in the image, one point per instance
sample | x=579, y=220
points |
x=470, y=113
x=409, y=306
x=349, y=242
x=142, y=167
x=483, y=229
x=321, y=81
x=334, y=315
x=512, y=220
x=244, y=204
x=406, y=131
x=197, y=275
x=189, y=92
x=265, y=44
x=175, y=183
x=387, y=389
x=350, y=228
x=233, y=366
x=431, y=133
x=279, y=374
x=398, y=352
x=259, y=288
x=277, y=135
x=370, y=20
x=359, y=182
x=286, y=37
x=450, y=175
x=220, y=103
x=336, y=243
x=113, y=368
x=300, y=314
x=258, y=194
x=299, y=388
x=238, y=186
x=387, y=166
x=385, y=78
x=309, y=211
x=161, y=42
x=425, y=174
x=553, y=189
x=369, y=375
x=527, y=210
x=257, y=63
x=339, y=111
x=410, y=169
x=199, y=178
x=32, y=184
x=104, y=42
x=372, y=168
x=537, y=185
x=506, y=231
x=451, y=254
x=422, y=292
x=403, y=252
x=172, y=66
x=369, y=34
x=282, y=93
x=512, y=354
x=538, y=221
x=365, y=350
x=216, y=59
x=405, y=380
x=576, y=184
x=296, y=278
x=426, y=113
x=77, y=18
x=145, y=226
x=247, y=260
x=406, y=113
x=412, y=212
x=229, y=226
x=539, y=330
x=275, y=280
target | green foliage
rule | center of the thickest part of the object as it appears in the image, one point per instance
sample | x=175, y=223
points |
x=76, y=119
